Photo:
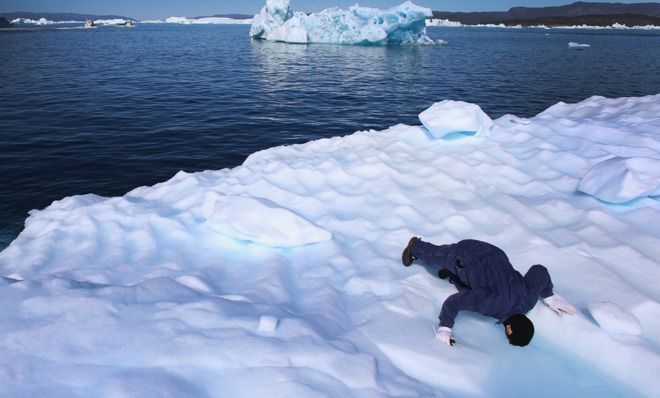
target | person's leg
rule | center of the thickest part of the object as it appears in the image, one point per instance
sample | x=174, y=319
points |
x=433, y=255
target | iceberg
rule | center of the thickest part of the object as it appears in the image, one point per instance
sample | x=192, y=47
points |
x=283, y=274
x=403, y=24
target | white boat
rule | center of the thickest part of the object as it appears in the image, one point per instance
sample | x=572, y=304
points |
x=89, y=24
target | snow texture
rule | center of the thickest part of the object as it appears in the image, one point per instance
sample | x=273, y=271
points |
x=259, y=220
x=183, y=289
x=403, y=24
x=615, y=320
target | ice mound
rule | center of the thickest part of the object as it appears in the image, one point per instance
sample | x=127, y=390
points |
x=267, y=324
x=159, y=292
x=259, y=220
x=452, y=117
x=615, y=320
x=620, y=180
x=403, y=24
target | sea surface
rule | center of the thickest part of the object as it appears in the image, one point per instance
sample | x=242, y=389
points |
x=106, y=110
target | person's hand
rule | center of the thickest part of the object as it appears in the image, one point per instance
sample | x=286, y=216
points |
x=559, y=305
x=444, y=334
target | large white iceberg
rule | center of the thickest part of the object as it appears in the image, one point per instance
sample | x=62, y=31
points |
x=403, y=24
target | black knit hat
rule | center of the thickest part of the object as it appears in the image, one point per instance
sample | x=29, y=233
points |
x=522, y=330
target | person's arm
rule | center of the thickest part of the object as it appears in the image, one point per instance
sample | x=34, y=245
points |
x=538, y=278
x=469, y=300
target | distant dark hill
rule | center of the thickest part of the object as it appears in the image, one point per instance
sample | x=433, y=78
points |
x=590, y=20
x=578, y=13
x=583, y=8
x=4, y=23
x=58, y=16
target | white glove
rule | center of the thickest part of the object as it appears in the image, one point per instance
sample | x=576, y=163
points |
x=444, y=334
x=559, y=305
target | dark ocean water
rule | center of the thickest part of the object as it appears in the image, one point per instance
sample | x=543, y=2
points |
x=106, y=110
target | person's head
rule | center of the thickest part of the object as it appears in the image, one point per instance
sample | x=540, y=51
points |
x=519, y=330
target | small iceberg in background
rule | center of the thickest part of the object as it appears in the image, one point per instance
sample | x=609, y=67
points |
x=578, y=45
x=403, y=24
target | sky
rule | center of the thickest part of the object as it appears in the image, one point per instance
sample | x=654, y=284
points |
x=147, y=9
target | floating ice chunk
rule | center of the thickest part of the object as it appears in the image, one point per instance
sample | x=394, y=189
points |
x=403, y=24
x=117, y=21
x=578, y=45
x=449, y=117
x=179, y=20
x=613, y=319
x=267, y=324
x=620, y=180
x=259, y=220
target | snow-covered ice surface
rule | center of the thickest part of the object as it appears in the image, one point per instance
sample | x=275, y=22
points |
x=207, y=285
x=403, y=24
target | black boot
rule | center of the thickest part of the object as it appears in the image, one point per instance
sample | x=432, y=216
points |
x=407, y=257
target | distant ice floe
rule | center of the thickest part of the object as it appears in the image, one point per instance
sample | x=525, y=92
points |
x=620, y=180
x=44, y=21
x=573, y=44
x=28, y=21
x=455, y=117
x=403, y=24
x=118, y=21
x=448, y=23
x=207, y=21
x=443, y=23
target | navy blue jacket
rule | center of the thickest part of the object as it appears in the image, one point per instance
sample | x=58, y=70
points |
x=485, y=279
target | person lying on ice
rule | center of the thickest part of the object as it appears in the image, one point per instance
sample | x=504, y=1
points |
x=487, y=284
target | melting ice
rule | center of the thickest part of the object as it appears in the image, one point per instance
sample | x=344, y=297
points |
x=403, y=24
